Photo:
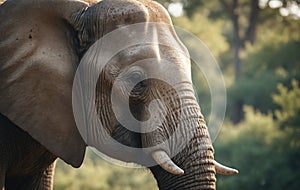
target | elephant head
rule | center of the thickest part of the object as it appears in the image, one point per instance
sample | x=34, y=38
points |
x=41, y=48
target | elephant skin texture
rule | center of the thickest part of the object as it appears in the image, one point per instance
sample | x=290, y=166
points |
x=42, y=43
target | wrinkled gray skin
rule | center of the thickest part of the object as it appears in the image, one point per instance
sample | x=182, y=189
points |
x=41, y=44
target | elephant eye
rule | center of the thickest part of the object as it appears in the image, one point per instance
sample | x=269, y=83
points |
x=137, y=78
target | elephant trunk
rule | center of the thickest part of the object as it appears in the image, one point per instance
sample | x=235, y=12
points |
x=181, y=145
x=197, y=161
x=185, y=153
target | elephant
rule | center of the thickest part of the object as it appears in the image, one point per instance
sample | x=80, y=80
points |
x=42, y=43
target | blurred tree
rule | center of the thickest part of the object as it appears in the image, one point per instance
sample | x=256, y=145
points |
x=267, y=64
x=234, y=10
x=245, y=18
x=289, y=112
x=266, y=147
x=241, y=34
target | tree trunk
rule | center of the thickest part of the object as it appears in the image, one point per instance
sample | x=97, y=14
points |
x=237, y=112
x=253, y=19
x=234, y=9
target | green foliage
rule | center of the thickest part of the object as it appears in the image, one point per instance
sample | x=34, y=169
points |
x=266, y=154
x=288, y=115
x=96, y=173
x=254, y=91
x=210, y=32
x=291, y=108
x=266, y=65
x=282, y=58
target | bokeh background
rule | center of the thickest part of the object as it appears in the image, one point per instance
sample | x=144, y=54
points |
x=257, y=45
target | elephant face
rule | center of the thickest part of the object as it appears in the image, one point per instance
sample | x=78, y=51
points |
x=130, y=85
x=139, y=74
x=143, y=94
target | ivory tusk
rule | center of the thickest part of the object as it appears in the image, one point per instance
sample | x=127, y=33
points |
x=221, y=169
x=162, y=158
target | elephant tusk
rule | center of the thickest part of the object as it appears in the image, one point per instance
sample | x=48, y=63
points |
x=162, y=158
x=221, y=169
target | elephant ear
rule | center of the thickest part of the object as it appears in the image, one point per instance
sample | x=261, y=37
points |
x=38, y=61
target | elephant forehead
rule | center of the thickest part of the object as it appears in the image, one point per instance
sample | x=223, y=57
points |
x=108, y=15
x=133, y=11
x=157, y=13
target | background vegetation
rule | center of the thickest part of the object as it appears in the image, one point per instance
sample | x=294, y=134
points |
x=257, y=44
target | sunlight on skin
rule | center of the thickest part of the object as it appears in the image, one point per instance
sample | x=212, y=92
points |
x=156, y=46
